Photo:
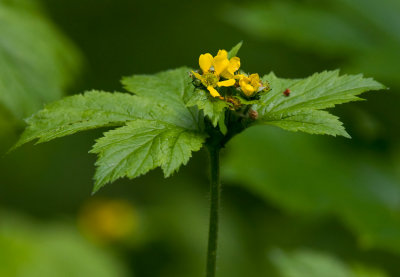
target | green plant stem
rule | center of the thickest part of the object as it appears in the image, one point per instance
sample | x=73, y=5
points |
x=215, y=190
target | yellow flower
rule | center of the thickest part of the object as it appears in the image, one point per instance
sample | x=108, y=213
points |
x=108, y=220
x=213, y=68
x=250, y=85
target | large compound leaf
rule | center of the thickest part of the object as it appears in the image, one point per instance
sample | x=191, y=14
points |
x=160, y=130
x=36, y=61
x=300, y=110
x=171, y=88
x=160, y=97
x=309, y=121
x=143, y=145
x=83, y=112
x=319, y=91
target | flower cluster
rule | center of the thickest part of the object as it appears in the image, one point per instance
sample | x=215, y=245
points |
x=219, y=71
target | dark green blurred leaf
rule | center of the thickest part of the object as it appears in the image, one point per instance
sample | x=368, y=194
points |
x=304, y=175
x=298, y=25
x=365, y=33
x=306, y=263
x=36, y=61
x=384, y=14
x=34, y=250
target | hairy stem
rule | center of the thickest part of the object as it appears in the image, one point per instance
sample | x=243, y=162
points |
x=214, y=211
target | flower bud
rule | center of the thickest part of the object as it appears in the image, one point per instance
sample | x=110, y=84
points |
x=253, y=114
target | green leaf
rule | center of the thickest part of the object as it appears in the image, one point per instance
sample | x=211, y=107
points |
x=143, y=145
x=383, y=14
x=347, y=38
x=37, y=63
x=33, y=249
x=308, y=121
x=213, y=108
x=299, y=110
x=83, y=112
x=247, y=101
x=263, y=20
x=235, y=49
x=171, y=88
x=222, y=125
x=307, y=263
x=308, y=176
x=172, y=130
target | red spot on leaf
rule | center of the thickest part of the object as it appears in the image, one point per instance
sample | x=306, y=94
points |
x=287, y=92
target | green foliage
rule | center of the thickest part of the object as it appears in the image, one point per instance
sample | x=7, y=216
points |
x=308, y=121
x=37, y=62
x=247, y=213
x=171, y=89
x=264, y=20
x=306, y=263
x=235, y=49
x=222, y=125
x=364, y=34
x=306, y=176
x=143, y=145
x=213, y=108
x=158, y=129
x=247, y=101
x=93, y=109
x=34, y=250
x=300, y=111
x=163, y=122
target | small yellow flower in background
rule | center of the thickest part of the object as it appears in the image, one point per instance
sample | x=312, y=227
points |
x=213, y=68
x=106, y=220
x=250, y=85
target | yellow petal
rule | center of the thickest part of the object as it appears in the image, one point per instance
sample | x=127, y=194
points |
x=197, y=75
x=221, y=62
x=213, y=91
x=222, y=54
x=238, y=76
x=227, y=83
x=244, y=81
x=255, y=76
x=248, y=90
x=234, y=65
x=205, y=62
x=220, y=65
x=255, y=81
x=227, y=75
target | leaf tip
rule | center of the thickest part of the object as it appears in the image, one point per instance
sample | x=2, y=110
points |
x=346, y=135
x=97, y=186
x=235, y=49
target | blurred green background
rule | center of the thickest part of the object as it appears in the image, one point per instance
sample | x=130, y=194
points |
x=294, y=205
